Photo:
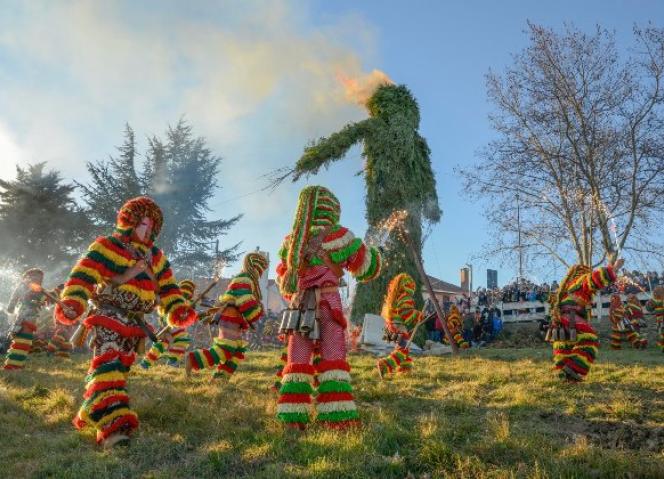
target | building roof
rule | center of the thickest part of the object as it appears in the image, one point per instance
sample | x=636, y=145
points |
x=440, y=286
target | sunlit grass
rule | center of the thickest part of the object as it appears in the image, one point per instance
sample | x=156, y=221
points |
x=496, y=413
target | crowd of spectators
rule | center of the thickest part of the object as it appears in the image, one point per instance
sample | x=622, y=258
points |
x=482, y=319
x=525, y=290
x=480, y=325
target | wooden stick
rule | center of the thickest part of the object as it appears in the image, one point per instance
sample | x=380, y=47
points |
x=427, y=284
x=66, y=309
x=212, y=284
x=412, y=334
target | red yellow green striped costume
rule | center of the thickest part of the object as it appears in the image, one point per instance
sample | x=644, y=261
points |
x=656, y=306
x=29, y=301
x=616, y=317
x=634, y=314
x=239, y=307
x=301, y=270
x=573, y=358
x=401, y=316
x=176, y=342
x=455, y=325
x=58, y=345
x=116, y=333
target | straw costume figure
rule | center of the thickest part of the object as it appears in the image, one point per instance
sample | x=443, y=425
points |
x=125, y=276
x=398, y=176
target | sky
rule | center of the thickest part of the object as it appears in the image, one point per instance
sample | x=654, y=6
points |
x=260, y=79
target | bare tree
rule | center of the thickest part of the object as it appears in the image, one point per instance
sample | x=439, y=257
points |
x=580, y=132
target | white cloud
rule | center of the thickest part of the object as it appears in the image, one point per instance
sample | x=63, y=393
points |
x=11, y=154
x=258, y=79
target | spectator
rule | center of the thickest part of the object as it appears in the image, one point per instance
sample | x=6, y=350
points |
x=477, y=326
x=438, y=330
x=430, y=326
x=468, y=324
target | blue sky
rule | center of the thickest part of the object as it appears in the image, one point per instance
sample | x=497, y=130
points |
x=258, y=79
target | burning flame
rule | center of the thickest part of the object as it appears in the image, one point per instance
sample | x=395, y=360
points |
x=359, y=89
x=395, y=222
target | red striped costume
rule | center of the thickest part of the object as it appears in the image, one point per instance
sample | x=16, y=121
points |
x=239, y=307
x=634, y=314
x=122, y=291
x=175, y=343
x=310, y=268
x=569, y=311
x=622, y=330
x=30, y=301
x=455, y=325
x=401, y=316
x=656, y=306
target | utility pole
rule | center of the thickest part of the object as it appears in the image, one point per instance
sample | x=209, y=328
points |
x=518, y=225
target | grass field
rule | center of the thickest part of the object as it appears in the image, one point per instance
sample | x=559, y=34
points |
x=492, y=413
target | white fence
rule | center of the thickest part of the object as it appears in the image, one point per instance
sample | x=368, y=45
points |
x=527, y=311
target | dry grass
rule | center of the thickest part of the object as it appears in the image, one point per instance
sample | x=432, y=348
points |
x=496, y=413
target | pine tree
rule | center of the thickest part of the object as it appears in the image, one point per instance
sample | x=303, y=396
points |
x=40, y=223
x=113, y=182
x=397, y=174
x=181, y=173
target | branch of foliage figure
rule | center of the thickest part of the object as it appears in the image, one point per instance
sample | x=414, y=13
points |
x=326, y=150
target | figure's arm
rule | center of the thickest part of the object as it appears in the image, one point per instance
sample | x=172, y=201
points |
x=430, y=207
x=413, y=317
x=89, y=271
x=172, y=306
x=352, y=254
x=240, y=292
x=327, y=150
x=589, y=283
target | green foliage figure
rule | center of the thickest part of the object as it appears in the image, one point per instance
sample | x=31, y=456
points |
x=398, y=176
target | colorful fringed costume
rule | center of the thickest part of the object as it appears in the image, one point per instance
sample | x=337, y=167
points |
x=176, y=342
x=621, y=328
x=313, y=258
x=656, y=306
x=59, y=344
x=29, y=300
x=575, y=342
x=239, y=308
x=634, y=314
x=401, y=316
x=455, y=325
x=283, y=359
x=125, y=276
